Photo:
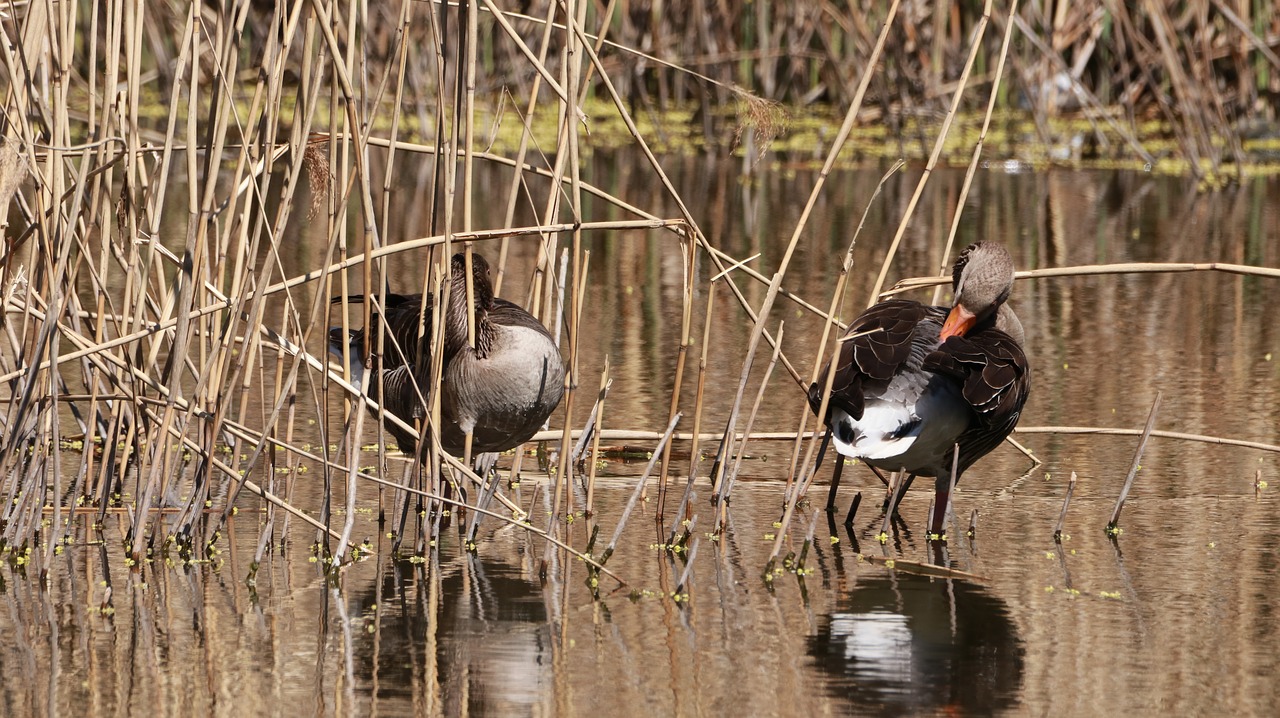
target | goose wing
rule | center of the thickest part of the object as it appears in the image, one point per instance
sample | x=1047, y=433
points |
x=995, y=381
x=513, y=315
x=401, y=313
x=888, y=338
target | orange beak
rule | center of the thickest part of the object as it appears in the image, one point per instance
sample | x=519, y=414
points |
x=959, y=321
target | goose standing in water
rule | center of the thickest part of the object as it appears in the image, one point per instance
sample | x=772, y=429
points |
x=501, y=390
x=921, y=379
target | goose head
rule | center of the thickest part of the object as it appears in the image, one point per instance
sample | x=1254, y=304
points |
x=982, y=279
x=355, y=350
x=481, y=286
x=457, y=334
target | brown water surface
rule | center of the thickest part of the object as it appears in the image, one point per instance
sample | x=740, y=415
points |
x=1177, y=616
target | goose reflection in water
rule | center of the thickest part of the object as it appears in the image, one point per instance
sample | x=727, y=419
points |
x=906, y=645
x=491, y=635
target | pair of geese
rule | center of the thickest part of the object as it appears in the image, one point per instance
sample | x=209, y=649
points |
x=911, y=383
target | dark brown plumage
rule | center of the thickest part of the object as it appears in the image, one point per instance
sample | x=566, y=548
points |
x=501, y=390
x=915, y=380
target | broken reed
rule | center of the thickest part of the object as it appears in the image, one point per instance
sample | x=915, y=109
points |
x=1113, y=526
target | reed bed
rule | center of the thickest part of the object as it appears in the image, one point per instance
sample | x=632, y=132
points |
x=137, y=335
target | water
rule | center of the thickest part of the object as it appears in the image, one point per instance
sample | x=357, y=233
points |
x=1175, y=616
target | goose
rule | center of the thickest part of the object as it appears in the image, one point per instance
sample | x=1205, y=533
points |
x=915, y=380
x=500, y=391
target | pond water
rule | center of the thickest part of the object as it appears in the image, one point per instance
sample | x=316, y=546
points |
x=1176, y=615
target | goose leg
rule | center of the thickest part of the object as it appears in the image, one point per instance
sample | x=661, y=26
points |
x=835, y=483
x=835, y=477
x=941, y=501
x=853, y=510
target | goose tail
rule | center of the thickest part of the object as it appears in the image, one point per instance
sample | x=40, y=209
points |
x=883, y=432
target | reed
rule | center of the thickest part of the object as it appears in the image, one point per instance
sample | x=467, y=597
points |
x=938, y=144
x=158, y=157
x=682, y=352
x=1066, y=503
x=945, y=267
x=647, y=435
x=837, y=300
x=720, y=483
x=1113, y=526
x=598, y=416
x=635, y=495
x=741, y=447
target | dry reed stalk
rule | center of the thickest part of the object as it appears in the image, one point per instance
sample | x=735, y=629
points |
x=837, y=298
x=944, y=269
x=635, y=495
x=736, y=265
x=374, y=282
x=683, y=583
x=842, y=136
x=921, y=569
x=195, y=447
x=284, y=202
x=1113, y=526
x=237, y=368
x=515, y=37
x=567, y=144
x=698, y=235
x=580, y=301
x=1201, y=438
x=491, y=479
x=526, y=134
x=1258, y=43
x=1097, y=269
x=696, y=436
x=719, y=485
x=1066, y=503
x=741, y=449
x=894, y=487
x=686, y=323
x=587, y=435
x=646, y=435
x=708, y=321
x=1090, y=99
x=837, y=145
x=246, y=434
x=352, y=441
x=846, y=127
x=939, y=143
x=222, y=303
x=605, y=383
x=198, y=358
x=601, y=42
x=1197, y=142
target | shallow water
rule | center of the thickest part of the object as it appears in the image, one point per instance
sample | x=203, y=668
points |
x=1177, y=615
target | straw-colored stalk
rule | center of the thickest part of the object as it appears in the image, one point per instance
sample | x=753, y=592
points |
x=938, y=144
x=682, y=352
